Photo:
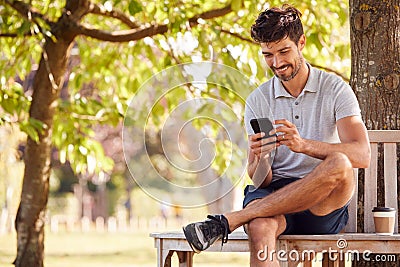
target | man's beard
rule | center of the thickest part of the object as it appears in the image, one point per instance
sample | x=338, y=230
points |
x=296, y=69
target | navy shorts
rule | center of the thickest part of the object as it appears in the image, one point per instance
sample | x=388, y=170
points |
x=303, y=222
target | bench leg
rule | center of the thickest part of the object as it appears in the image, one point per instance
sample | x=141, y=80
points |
x=163, y=255
x=164, y=258
x=307, y=263
x=326, y=262
x=185, y=258
x=282, y=245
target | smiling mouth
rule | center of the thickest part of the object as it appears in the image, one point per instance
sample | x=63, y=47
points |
x=281, y=69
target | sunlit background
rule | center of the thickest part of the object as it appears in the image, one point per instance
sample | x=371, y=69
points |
x=97, y=213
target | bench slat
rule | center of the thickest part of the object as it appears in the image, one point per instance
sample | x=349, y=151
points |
x=390, y=176
x=346, y=236
x=384, y=136
x=351, y=226
x=377, y=246
x=370, y=192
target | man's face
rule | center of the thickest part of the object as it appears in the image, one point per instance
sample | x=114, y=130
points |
x=284, y=57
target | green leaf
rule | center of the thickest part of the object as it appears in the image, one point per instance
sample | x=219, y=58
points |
x=29, y=130
x=37, y=124
x=9, y=105
x=25, y=27
x=134, y=7
x=167, y=61
x=236, y=5
x=175, y=26
x=315, y=40
x=157, y=113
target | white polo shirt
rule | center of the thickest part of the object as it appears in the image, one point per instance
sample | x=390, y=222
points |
x=325, y=99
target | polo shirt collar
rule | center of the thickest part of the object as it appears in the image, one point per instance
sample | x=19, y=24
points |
x=311, y=84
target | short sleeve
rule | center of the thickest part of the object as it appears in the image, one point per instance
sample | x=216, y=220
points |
x=346, y=103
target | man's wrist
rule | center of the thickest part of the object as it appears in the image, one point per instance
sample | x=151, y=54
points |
x=315, y=149
x=305, y=146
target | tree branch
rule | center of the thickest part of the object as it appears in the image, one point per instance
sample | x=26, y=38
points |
x=27, y=11
x=331, y=70
x=102, y=11
x=135, y=34
x=210, y=14
x=122, y=36
x=238, y=36
x=13, y=35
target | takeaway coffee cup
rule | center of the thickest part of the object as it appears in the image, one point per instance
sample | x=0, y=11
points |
x=384, y=218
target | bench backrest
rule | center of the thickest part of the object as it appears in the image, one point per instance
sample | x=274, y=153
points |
x=389, y=140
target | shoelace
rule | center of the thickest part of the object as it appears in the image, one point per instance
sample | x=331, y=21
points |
x=215, y=229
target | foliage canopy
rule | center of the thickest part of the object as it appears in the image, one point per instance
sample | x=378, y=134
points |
x=103, y=76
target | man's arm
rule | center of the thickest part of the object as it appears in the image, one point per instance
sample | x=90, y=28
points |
x=352, y=133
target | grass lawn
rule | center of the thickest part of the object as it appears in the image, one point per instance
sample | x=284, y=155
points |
x=108, y=250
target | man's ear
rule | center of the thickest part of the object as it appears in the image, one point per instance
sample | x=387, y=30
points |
x=302, y=42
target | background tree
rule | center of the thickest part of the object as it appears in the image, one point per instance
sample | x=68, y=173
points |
x=375, y=73
x=149, y=37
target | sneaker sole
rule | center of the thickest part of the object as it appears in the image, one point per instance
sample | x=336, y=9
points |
x=188, y=236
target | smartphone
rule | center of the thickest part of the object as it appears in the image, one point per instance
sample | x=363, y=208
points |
x=262, y=125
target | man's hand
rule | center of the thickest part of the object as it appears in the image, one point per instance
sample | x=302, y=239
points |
x=289, y=136
x=258, y=166
x=261, y=147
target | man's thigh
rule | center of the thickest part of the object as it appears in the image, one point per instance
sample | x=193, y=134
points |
x=251, y=193
x=343, y=191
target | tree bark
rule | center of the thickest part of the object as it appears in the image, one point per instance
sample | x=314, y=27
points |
x=375, y=75
x=375, y=45
x=30, y=218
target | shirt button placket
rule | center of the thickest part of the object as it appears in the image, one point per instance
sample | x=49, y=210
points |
x=296, y=114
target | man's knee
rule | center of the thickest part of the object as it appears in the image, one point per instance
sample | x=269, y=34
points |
x=340, y=163
x=259, y=228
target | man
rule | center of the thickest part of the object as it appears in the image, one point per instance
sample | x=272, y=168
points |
x=320, y=137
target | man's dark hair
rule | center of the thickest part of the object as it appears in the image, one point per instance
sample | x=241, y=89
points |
x=276, y=23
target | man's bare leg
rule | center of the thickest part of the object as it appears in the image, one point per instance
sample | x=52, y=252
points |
x=328, y=187
x=263, y=233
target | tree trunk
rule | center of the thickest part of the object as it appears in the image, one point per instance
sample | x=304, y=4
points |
x=375, y=75
x=30, y=218
x=375, y=44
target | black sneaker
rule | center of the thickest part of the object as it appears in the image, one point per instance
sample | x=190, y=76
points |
x=201, y=235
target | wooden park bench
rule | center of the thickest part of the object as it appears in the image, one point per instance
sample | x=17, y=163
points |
x=351, y=241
